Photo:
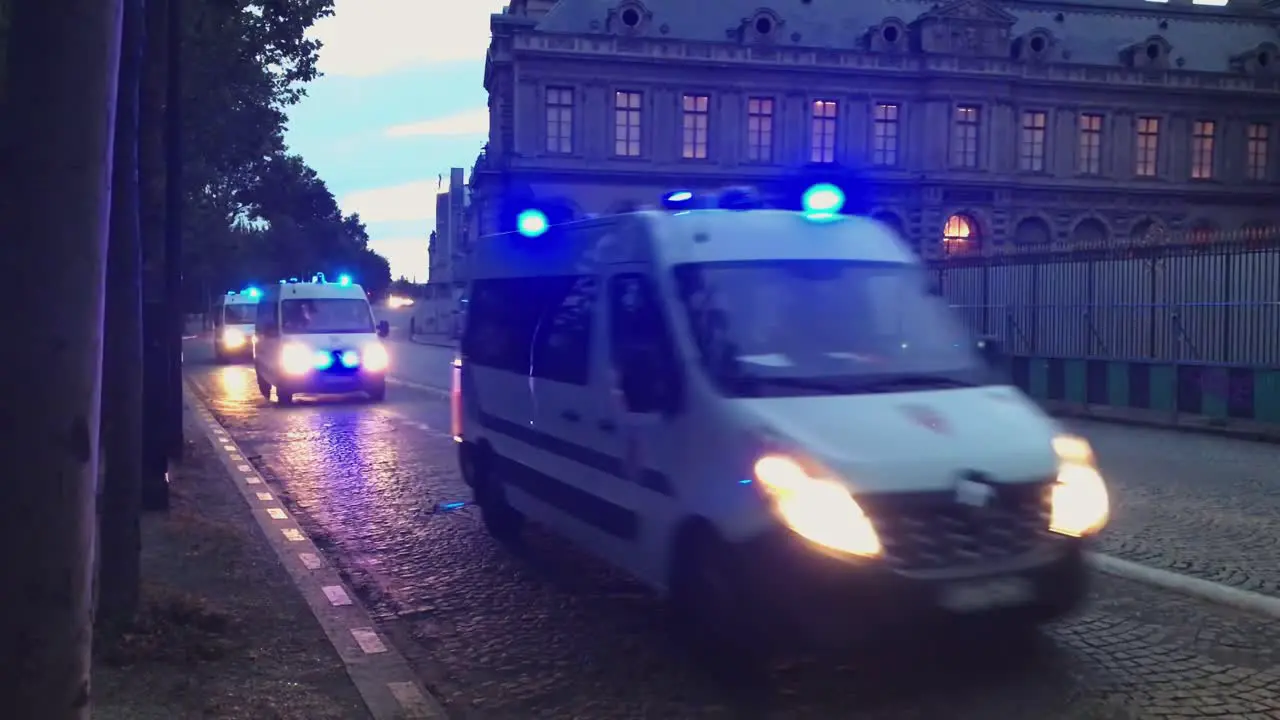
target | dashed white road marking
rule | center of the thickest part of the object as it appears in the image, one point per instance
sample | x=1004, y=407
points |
x=337, y=596
x=277, y=514
x=310, y=561
x=368, y=641
x=229, y=448
x=415, y=704
x=253, y=480
x=293, y=535
x=244, y=468
x=265, y=497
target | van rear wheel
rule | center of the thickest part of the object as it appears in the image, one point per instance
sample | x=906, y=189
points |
x=502, y=521
x=264, y=387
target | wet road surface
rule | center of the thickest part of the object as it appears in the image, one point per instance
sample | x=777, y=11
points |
x=550, y=633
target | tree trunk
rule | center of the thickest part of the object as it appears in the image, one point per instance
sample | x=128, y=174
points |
x=120, y=530
x=155, y=318
x=55, y=168
x=174, y=199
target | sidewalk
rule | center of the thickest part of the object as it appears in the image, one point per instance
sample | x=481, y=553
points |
x=224, y=632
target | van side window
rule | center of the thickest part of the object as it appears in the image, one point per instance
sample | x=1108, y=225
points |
x=641, y=347
x=562, y=350
x=502, y=319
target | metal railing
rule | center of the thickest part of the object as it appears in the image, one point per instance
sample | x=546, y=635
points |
x=1192, y=297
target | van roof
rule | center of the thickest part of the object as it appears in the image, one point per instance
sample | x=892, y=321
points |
x=301, y=290
x=694, y=236
x=240, y=299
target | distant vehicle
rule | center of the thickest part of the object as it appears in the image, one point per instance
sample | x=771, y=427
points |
x=234, y=315
x=319, y=338
x=767, y=416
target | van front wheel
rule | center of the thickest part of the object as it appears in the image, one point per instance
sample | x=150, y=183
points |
x=709, y=595
x=503, y=522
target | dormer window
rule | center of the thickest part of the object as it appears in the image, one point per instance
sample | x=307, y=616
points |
x=629, y=18
x=1261, y=60
x=1035, y=45
x=889, y=35
x=764, y=25
x=1151, y=54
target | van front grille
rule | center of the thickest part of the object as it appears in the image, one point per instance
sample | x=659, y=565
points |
x=932, y=531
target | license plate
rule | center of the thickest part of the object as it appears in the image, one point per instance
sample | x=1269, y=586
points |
x=992, y=594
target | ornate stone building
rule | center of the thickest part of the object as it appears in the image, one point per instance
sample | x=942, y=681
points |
x=980, y=122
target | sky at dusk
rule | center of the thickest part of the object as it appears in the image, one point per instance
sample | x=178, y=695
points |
x=400, y=102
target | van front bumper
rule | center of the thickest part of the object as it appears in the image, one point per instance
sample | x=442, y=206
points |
x=816, y=600
x=318, y=382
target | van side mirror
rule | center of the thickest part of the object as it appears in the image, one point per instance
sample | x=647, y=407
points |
x=384, y=329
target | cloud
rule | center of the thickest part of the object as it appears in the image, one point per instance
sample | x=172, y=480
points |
x=409, y=202
x=468, y=122
x=364, y=38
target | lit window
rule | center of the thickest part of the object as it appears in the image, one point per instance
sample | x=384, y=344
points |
x=760, y=129
x=1148, y=146
x=626, y=123
x=964, y=148
x=559, y=120
x=1090, y=160
x=959, y=232
x=823, y=140
x=1031, y=154
x=1202, y=134
x=1258, y=150
x=697, y=115
x=885, y=148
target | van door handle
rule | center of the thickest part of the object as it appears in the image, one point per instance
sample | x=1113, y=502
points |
x=607, y=426
x=570, y=415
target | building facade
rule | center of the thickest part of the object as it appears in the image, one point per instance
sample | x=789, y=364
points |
x=979, y=123
x=447, y=254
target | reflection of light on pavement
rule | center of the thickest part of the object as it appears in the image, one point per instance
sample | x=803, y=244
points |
x=238, y=383
x=348, y=453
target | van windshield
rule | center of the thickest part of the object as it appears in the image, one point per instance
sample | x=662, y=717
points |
x=245, y=314
x=767, y=328
x=326, y=315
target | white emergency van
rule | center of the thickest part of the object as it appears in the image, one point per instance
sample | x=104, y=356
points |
x=770, y=418
x=319, y=338
x=234, y=315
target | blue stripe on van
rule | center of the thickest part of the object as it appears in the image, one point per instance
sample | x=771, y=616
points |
x=649, y=478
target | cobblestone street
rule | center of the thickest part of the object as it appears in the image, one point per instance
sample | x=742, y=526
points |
x=552, y=634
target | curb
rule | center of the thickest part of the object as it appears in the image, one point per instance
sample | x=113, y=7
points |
x=1189, y=424
x=1187, y=585
x=433, y=343
x=386, y=683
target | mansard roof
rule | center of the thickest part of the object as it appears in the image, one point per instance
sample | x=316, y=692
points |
x=1086, y=32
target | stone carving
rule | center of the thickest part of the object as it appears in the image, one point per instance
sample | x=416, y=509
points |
x=974, y=28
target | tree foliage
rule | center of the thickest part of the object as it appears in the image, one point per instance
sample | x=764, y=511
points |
x=255, y=213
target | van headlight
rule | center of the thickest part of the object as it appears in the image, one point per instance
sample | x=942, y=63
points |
x=296, y=359
x=233, y=339
x=1081, y=505
x=374, y=358
x=819, y=509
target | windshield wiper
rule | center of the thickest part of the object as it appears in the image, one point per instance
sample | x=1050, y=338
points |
x=913, y=382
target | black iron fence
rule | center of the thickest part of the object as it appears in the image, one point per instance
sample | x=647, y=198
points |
x=1194, y=297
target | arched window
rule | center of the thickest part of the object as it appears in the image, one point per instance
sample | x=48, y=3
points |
x=960, y=233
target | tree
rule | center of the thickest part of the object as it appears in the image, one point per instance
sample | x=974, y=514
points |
x=55, y=166
x=120, y=531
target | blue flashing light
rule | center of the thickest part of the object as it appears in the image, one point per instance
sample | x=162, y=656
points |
x=532, y=223
x=344, y=280
x=253, y=292
x=323, y=360
x=823, y=201
x=679, y=196
x=350, y=359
